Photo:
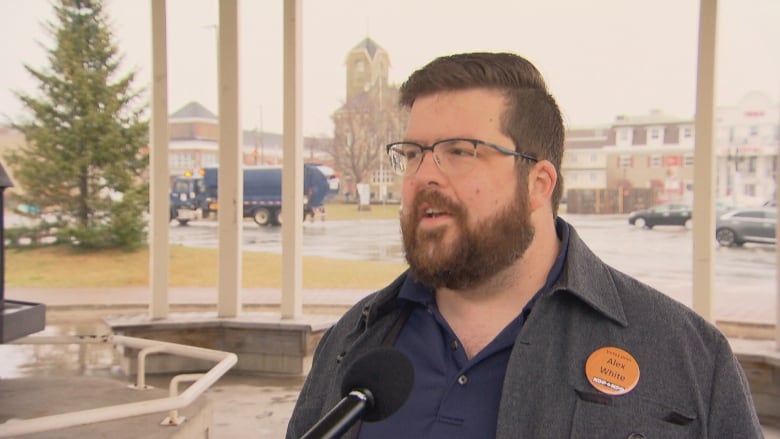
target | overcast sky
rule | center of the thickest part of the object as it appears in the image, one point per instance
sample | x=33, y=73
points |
x=601, y=58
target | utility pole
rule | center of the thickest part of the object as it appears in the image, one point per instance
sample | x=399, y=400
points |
x=262, y=155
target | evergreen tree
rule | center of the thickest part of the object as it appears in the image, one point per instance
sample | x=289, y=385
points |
x=86, y=155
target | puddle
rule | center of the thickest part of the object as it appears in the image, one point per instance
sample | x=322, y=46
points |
x=61, y=360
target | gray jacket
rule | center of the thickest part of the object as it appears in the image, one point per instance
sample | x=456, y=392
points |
x=690, y=385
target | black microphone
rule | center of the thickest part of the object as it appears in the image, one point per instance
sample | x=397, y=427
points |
x=375, y=386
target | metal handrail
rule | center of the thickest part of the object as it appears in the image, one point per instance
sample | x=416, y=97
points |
x=225, y=361
x=173, y=389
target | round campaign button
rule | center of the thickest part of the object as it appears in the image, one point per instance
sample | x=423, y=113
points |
x=612, y=371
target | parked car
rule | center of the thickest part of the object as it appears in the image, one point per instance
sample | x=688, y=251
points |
x=746, y=225
x=668, y=214
x=724, y=205
x=28, y=209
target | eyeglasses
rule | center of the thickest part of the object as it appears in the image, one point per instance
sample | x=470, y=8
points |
x=453, y=156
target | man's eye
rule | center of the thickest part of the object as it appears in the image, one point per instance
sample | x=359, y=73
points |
x=411, y=154
x=460, y=151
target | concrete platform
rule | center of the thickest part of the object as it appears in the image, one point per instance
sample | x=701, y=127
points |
x=24, y=398
x=263, y=341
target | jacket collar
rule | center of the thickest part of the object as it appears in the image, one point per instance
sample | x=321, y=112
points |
x=588, y=278
x=383, y=301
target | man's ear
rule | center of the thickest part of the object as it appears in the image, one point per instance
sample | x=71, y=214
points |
x=541, y=182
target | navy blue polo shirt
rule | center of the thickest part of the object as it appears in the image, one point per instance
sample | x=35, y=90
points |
x=452, y=397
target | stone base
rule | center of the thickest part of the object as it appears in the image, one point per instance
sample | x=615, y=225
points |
x=264, y=342
x=761, y=362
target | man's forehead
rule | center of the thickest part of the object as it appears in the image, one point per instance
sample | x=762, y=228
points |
x=444, y=97
x=462, y=113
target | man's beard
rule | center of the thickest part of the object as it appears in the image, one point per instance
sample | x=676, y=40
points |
x=476, y=254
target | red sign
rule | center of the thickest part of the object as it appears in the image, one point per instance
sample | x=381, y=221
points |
x=671, y=161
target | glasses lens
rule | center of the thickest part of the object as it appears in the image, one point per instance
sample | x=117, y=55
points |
x=399, y=155
x=456, y=157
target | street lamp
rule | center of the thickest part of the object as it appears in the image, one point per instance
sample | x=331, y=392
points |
x=733, y=176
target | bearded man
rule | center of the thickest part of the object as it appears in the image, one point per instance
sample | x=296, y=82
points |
x=513, y=327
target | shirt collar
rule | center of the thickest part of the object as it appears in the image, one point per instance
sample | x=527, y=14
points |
x=415, y=291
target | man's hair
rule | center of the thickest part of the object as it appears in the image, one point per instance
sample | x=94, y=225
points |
x=532, y=119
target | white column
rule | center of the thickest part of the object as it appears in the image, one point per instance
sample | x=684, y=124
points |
x=292, y=177
x=777, y=253
x=159, y=182
x=230, y=164
x=704, y=167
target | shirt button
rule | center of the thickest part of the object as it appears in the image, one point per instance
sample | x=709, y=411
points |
x=454, y=345
x=463, y=379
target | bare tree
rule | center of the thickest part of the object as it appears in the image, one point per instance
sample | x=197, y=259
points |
x=363, y=126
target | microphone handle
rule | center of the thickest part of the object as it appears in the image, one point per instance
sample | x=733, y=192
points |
x=341, y=417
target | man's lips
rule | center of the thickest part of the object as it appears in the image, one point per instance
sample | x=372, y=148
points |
x=427, y=211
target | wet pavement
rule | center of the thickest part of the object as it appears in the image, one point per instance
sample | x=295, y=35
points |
x=363, y=240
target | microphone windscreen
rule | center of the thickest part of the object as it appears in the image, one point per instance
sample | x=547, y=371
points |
x=387, y=374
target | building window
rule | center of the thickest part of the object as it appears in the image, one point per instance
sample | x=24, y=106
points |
x=688, y=159
x=183, y=160
x=626, y=161
x=209, y=159
x=656, y=161
x=672, y=161
x=687, y=132
x=383, y=176
x=654, y=133
x=752, y=164
x=738, y=163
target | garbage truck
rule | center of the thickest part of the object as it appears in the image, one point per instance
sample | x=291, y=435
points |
x=194, y=195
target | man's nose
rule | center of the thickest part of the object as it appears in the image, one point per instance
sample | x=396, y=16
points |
x=429, y=169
